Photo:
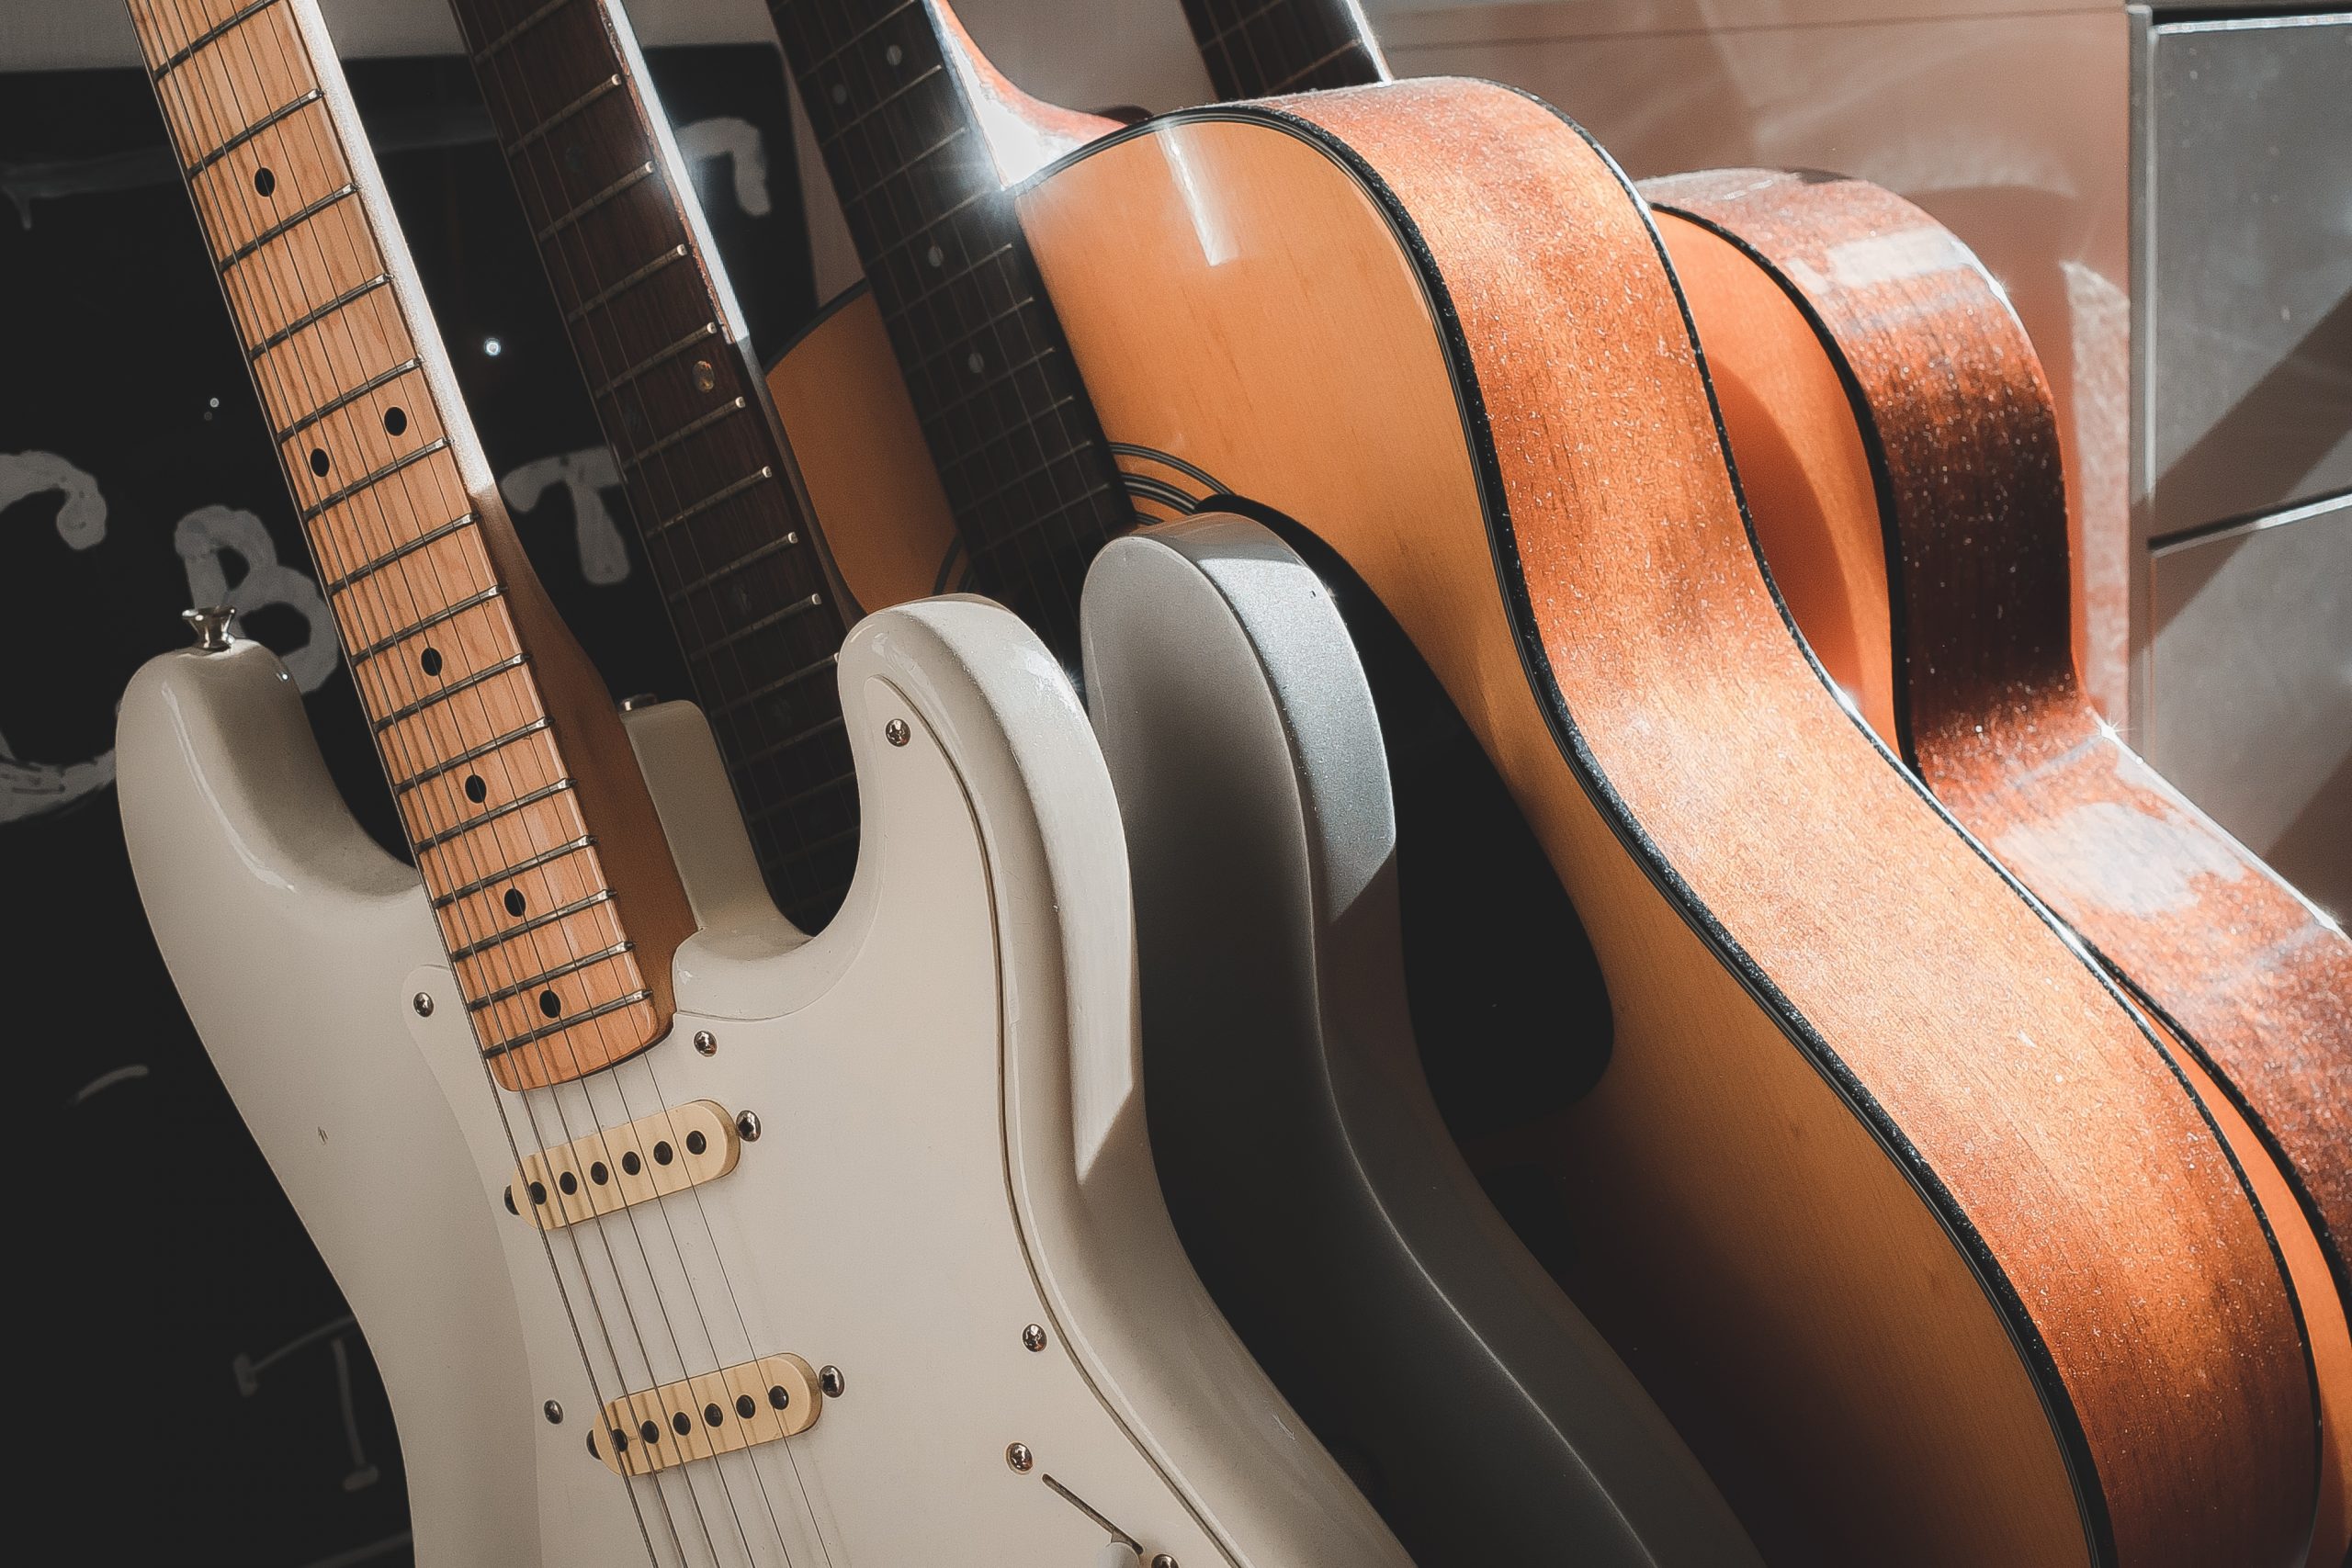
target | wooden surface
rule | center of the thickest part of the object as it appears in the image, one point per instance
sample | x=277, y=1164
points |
x=1940, y=450
x=532, y=829
x=1873, y=1142
x=711, y=481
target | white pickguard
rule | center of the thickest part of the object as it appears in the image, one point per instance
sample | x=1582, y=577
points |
x=952, y=1149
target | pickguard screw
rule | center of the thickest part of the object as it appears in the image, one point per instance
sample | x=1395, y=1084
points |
x=1018, y=1456
x=747, y=1125
x=830, y=1379
x=423, y=1003
x=1162, y=1559
x=554, y=1413
x=897, y=733
x=1033, y=1336
x=707, y=1042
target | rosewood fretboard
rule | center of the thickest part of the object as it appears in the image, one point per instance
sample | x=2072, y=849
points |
x=1020, y=452
x=709, y=476
x=1256, y=49
x=495, y=737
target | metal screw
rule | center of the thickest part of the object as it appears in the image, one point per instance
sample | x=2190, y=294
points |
x=1162, y=1559
x=554, y=1413
x=830, y=1379
x=707, y=1042
x=1018, y=1456
x=897, y=733
x=423, y=1003
x=1033, y=1336
x=747, y=1125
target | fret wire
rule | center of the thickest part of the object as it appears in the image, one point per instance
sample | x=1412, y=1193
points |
x=780, y=683
x=879, y=181
x=205, y=38
x=518, y=29
x=449, y=765
x=369, y=481
x=508, y=872
x=758, y=553
x=455, y=688
x=508, y=993
x=451, y=834
x=845, y=126
x=449, y=612
x=608, y=295
x=690, y=428
x=361, y=573
x=982, y=502
x=642, y=172
x=860, y=35
x=287, y=225
x=793, y=611
x=991, y=449
x=561, y=1025
x=809, y=852
x=255, y=128
x=657, y=357
x=1038, y=520
x=801, y=799
x=294, y=329
x=345, y=398
x=532, y=137
x=525, y=928
x=760, y=476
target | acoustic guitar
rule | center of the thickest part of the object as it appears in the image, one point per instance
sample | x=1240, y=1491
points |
x=1383, y=1249
x=1899, y=450
x=680, y=1238
x=1884, y=1185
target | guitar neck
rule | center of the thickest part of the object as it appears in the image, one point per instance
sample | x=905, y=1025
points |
x=531, y=826
x=709, y=476
x=896, y=99
x=1258, y=49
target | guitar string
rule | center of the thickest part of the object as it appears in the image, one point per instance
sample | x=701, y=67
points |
x=178, y=86
x=339, y=319
x=666, y=1113
x=595, y=350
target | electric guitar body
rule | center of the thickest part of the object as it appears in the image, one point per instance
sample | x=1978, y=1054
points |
x=1877, y=1156
x=1899, y=451
x=681, y=1237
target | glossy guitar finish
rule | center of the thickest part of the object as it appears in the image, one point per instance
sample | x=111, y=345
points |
x=1307, y=1169
x=952, y=1148
x=1885, y=408
x=1878, y=1156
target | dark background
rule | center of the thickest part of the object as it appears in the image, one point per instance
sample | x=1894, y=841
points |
x=198, y=1393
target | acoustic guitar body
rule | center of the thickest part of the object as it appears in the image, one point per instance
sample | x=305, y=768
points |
x=1898, y=446
x=1907, y=1220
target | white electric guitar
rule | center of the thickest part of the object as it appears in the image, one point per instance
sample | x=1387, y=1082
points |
x=678, y=1237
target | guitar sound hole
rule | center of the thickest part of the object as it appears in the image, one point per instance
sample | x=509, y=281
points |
x=514, y=901
x=264, y=182
x=550, y=1004
x=430, y=661
x=395, y=421
x=476, y=791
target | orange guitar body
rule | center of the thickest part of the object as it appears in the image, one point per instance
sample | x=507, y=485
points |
x=1884, y=405
x=1909, y=1225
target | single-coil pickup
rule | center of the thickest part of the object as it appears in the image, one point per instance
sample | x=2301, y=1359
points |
x=613, y=1167
x=717, y=1413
